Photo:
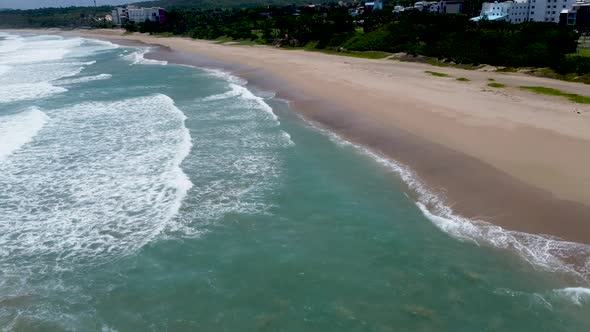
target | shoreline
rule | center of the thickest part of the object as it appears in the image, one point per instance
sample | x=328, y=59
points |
x=507, y=157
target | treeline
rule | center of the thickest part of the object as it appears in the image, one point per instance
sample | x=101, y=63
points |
x=455, y=38
x=451, y=37
x=68, y=17
x=212, y=4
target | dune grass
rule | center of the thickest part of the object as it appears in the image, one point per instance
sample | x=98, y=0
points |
x=463, y=79
x=554, y=92
x=435, y=73
x=496, y=85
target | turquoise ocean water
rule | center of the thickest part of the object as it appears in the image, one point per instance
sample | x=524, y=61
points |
x=137, y=195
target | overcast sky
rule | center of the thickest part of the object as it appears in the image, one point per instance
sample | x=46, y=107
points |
x=29, y=4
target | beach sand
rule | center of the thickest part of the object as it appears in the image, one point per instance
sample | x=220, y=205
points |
x=503, y=155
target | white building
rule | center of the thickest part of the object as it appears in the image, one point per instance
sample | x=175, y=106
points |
x=119, y=15
x=374, y=5
x=497, y=11
x=137, y=14
x=579, y=13
x=428, y=6
x=519, y=11
x=140, y=15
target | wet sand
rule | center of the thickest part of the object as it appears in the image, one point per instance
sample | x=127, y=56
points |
x=505, y=156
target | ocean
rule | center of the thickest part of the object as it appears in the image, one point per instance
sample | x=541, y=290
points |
x=140, y=195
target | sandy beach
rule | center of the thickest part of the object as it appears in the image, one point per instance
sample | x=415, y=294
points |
x=503, y=155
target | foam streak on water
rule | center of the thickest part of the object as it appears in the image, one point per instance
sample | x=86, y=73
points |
x=83, y=79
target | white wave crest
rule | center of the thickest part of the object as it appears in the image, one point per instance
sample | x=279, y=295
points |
x=37, y=49
x=237, y=90
x=30, y=64
x=546, y=252
x=137, y=58
x=577, y=295
x=84, y=79
x=100, y=181
x=225, y=76
x=19, y=129
x=17, y=92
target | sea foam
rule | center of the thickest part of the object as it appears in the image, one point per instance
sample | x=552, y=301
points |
x=577, y=295
x=238, y=158
x=30, y=64
x=19, y=129
x=137, y=58
x=99, y=181
x=240, y=91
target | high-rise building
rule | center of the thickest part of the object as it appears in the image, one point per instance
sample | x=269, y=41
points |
x=519, y=11
x=138, y=15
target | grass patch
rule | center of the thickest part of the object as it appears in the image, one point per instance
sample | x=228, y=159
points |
x=584, y=46
x=463, y=79
x=353, y=54
x=231, y=41
x=554, y=92
x=496, y=85
x=367, y=54
x=162, y=34
x=550, y=73
x=437, y=74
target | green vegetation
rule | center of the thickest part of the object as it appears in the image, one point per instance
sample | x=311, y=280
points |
x=363, y=55
x=463, y=79
x=584, y=46
x=434, y=73
x=496, y=85
x=229, y=40
x=554, y=92
x=69, y=17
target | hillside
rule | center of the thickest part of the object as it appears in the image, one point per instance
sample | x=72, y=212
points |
x=69, y=17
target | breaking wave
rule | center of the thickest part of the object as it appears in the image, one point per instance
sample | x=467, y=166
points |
x=577, y=295
x=19, y=129
x=240, y=91
x=238, y=155
x=100, y=180
x=137, y=58
x=30, y=65
x=84, y=79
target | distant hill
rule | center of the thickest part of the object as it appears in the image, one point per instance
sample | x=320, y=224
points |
x=210, y=4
